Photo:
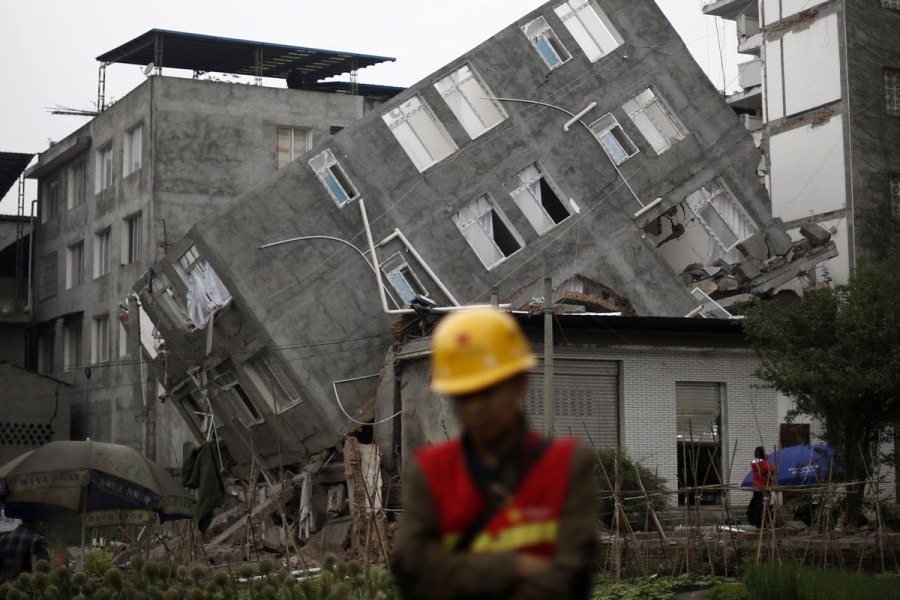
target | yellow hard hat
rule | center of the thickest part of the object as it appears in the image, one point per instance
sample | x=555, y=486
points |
x=475, y=349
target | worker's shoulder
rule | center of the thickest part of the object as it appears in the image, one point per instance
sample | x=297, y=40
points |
x=438, y=453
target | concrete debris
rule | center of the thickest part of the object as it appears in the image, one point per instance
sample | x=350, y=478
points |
x=816, y=234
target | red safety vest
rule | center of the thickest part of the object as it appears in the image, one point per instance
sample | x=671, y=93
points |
x=527, y=523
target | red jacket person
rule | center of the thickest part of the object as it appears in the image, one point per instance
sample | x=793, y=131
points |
x=498, y=512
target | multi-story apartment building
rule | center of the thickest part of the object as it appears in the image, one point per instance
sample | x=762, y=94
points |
x=825, y=86
x=116, y=193
x=581, y=143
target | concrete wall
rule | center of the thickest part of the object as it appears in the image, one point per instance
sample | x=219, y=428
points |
x=203, y=144
x=37, y=413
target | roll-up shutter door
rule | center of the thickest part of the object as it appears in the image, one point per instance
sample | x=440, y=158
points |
x=697, y=409
x=586, y=397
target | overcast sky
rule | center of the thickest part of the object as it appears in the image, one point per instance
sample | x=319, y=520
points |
x=48, y=47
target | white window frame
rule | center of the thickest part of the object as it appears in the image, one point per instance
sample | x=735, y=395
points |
x=100, y=339
x=75, y=265
x=892, y=91
x=132, y=150
x=520, y=189
x=402, y=278
x=102, y=261
x=272, y=382
x=716, y=197
x=894, y=4
x=133, y=239
x=470, y=100
x=419, y=133
x=77, y=185
x=188, y=261
x=605, y=129
x=230, y=386
x=333, y=178
x=294, y=149
x=104, y=170
x=652, y=118
x=591, y=28
x=72, y=358
x=50, y=200
x=546, y=43
x=470, y=222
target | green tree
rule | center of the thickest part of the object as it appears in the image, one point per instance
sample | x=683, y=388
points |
x=836, y=353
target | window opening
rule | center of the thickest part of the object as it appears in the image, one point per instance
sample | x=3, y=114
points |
x=536, y=198
x=544, y=40
x=698, y=430
x=104, y=168
x=77, y=185
x=132, y=149
x=402, y=278
x=100, y=340
x=101, y=253
x=892, y=91
x=419, y=133
x=72, y=354
x=274, y=384
x=487, y=231
x=75, y=266
x=134, y=239
x=470, y=100
x=721, y=214
x=333, y=177
x=590, y=27
x=51, y=200
x=230, y=388
x=290, y=143
x=613, y=138
x=45, y=352
x=654, y=121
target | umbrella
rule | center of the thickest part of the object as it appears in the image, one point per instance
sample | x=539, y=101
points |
x=103, y=484
x=799, y=465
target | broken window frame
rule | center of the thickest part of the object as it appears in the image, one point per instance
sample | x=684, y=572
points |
x=546, y=43
x=402, y=278
x=470, y=100
x=894, y=191
x=652, y=117
x=611, y=135
x=892, y=4
x=187, y=262
x=272, y=382
x=892, y=91
x=287, y=149
x=520, y=190
x=705, y=198
x=590, y=27
x=474, y=227
x=419, y=133
x=231, y=389
x=333, y=178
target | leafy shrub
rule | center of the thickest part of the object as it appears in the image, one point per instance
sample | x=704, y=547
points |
x=726, y=591
x=791, y=582
x=617, y=465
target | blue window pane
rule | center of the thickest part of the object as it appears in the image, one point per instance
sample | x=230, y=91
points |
x=335, y=188
x=547, y=51
x=402, y=286
x=613, y=148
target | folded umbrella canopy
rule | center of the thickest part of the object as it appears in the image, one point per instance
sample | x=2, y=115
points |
x=799, y=465
x=105, y=484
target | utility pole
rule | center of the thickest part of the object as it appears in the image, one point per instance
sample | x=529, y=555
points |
x=549, y=407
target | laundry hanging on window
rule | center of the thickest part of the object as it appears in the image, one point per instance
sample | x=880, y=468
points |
x=206, y=293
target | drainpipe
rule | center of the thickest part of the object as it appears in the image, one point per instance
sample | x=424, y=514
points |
x=31, y=257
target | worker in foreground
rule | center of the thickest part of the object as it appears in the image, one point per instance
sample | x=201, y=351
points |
x=499, y=512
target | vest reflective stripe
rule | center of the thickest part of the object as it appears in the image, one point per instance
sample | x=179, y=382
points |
x=527, y=535
x=530, y=520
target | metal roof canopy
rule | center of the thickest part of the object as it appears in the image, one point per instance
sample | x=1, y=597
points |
x=12, y=164
x=179, y=50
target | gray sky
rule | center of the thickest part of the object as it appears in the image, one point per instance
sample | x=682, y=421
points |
x=48, y=47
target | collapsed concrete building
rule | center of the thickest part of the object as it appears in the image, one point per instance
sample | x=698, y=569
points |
x=581, y=143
